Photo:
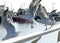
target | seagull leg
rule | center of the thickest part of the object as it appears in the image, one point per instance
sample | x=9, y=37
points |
x=32, y=25
x=46, y=27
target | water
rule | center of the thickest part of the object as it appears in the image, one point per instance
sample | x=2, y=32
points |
x=24, y=29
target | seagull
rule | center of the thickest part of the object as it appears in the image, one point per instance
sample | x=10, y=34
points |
x=8, y=26
x=44, y=17
x=31, y=13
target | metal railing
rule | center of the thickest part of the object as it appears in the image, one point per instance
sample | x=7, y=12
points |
x=29, y=36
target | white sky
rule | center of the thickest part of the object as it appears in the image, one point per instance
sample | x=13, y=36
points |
x=16, y=4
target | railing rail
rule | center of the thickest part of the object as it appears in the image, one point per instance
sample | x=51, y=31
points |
x=29, y=36
x=59, y=42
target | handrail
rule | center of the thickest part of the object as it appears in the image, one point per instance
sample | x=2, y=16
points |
x=59, y=42
x=29, y=36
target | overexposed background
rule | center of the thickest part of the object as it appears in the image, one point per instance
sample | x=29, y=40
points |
x=16, y=4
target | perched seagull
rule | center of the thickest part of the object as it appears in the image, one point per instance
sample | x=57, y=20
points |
x=31, y=13
x=8, y=26
x=44, y=17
